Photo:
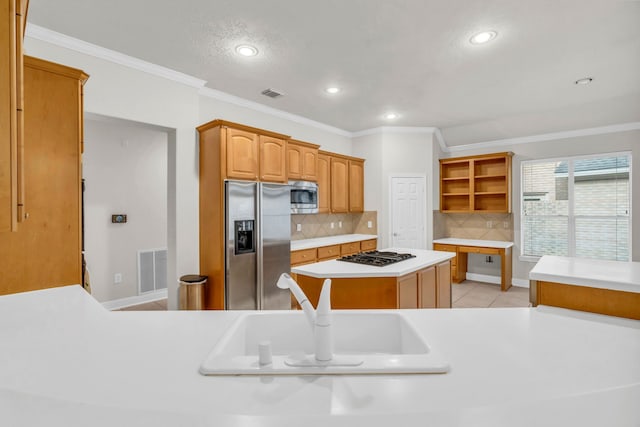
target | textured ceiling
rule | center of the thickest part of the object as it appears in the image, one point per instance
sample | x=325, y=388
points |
x=409, y=56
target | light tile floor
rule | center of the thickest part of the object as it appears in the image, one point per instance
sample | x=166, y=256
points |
x=470, y=294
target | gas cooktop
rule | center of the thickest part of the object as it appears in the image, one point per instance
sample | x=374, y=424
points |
x=375, y=258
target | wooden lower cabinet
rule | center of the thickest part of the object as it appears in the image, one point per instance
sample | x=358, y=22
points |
x=328, y=252
x=408, y=291
x=349, y=248
x=458, y=263
x=368, y=245
x=325, y=253
x=46, y=250
x=427, y=288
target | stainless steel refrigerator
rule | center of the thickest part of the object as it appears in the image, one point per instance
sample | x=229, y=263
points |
x=258, y=249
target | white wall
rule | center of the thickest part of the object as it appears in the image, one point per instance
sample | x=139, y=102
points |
x=388, y=153
x=585, y=145
x=125, y=171
x=119, y=91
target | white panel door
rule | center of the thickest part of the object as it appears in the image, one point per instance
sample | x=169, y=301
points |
x=407, y=212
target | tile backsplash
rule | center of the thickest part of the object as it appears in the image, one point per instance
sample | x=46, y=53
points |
x=483, y=226
x=319, y=225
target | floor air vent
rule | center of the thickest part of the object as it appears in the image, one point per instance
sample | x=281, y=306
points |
x=271, y=93
x=152, y=270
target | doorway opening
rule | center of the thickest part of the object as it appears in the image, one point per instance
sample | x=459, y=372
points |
x=126, y=172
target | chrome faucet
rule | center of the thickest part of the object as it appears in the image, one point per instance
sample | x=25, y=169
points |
x=319, y=320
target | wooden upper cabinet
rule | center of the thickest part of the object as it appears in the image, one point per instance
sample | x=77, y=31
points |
x=12, y=25
x=356, y=185
x=339, y=184
x=476, y=184
x=302, y=159
x=273, y=159
x=324, y=183
x=242, y=154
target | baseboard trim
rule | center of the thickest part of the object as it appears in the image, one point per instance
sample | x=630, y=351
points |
x=520, y=283
x=484, y=278
x=135, y=300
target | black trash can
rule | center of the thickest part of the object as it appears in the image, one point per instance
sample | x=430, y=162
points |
x=192, y=288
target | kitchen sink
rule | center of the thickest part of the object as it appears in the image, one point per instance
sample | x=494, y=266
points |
x=372, y=342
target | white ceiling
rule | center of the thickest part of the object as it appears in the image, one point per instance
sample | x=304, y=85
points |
x=409, y=56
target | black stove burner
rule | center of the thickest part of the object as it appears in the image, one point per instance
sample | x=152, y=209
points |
x=375, y=258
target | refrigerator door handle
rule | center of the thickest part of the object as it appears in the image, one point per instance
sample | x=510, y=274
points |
x=260, y=248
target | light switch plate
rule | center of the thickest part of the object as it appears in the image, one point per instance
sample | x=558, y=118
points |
x=298, y=227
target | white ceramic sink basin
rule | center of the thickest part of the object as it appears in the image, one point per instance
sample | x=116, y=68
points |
x=385, y=343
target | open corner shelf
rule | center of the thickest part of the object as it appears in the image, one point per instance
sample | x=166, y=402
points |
x=476, y=184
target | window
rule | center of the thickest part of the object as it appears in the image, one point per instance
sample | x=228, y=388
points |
x=578, y=206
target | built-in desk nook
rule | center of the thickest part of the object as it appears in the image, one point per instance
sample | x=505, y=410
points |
x=462, y=247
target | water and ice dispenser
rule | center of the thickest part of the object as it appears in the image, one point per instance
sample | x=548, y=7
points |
x=244, y=237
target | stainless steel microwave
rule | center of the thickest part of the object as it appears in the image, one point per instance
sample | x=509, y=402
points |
x=304, y=197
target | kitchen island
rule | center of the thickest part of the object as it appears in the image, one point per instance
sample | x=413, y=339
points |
x=66, y=361
x=597, y=286
x=420, y=282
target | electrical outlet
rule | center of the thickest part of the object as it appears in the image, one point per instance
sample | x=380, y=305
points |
x=489, y=224
x=505, y=224
x=298, y=227
x=333, y=225
x=339, y=224
x=369, y=224
x=117, y=278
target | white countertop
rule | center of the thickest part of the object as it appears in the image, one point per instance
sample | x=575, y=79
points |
x=341, y=269
x=66, y=361
x=615, y=275
x=471, y=242
x=297, y=245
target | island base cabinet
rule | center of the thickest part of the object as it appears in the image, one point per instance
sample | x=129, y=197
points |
x=427, y=288
x=408, y=291
x=354, y=293
x=434, y=286
x=443, y=283
x=427, y=297
x=583, y=298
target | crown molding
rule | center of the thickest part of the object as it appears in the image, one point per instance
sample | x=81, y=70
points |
x=40, y=33
x=440, y=139
x=394, y=129
x=621, y=127
x=256, y=106
x=58, y=39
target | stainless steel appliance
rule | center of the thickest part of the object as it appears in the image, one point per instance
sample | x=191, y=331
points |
x=304, y=197
x=258, y=249
x=375, y=258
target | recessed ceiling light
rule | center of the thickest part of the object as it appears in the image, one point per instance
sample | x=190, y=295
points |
x=332, y=90
x=483, y=37
x=246, y=50
x=584, y=81
x=391, y=116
